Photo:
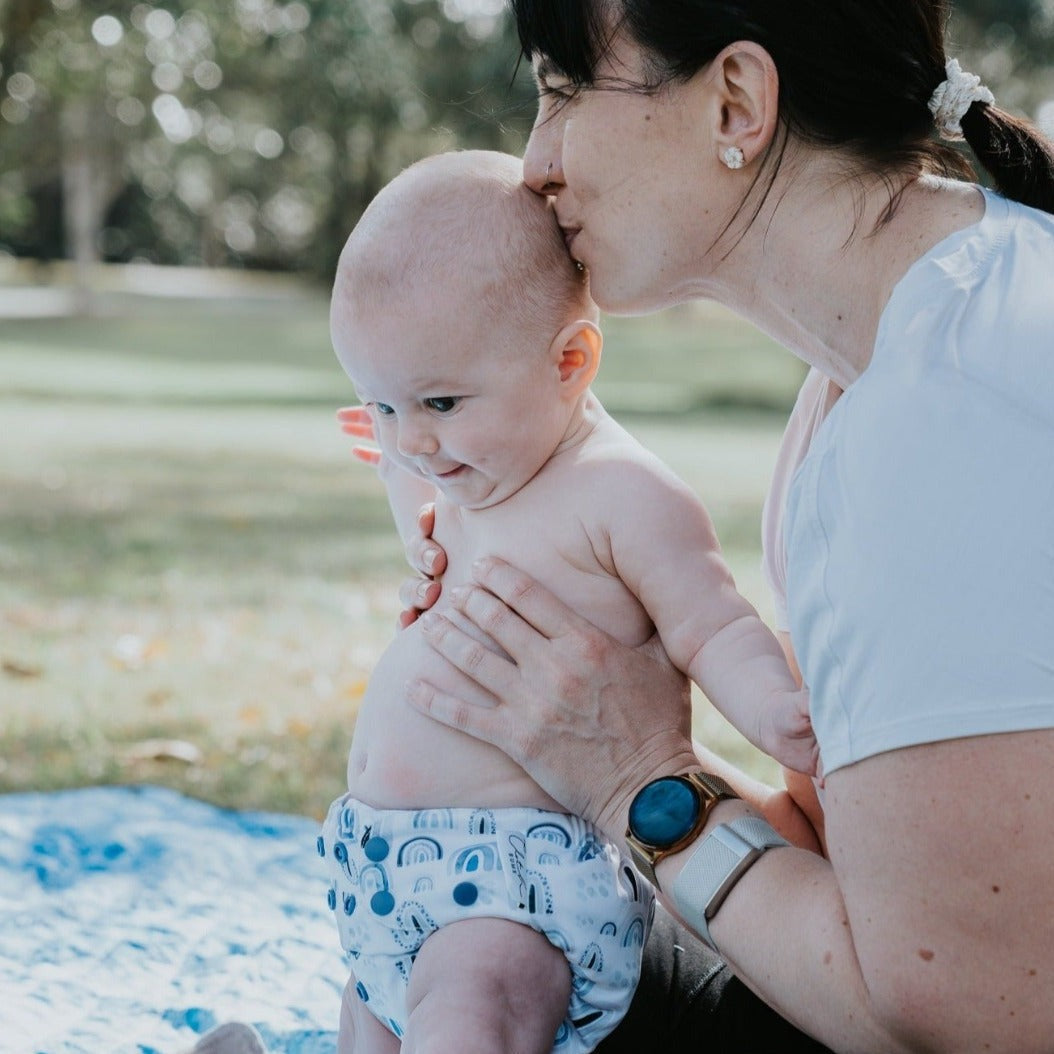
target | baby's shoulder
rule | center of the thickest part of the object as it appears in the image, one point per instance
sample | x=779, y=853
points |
x=613, y=466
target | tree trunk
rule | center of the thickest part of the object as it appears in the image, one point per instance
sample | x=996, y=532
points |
x=82, y=199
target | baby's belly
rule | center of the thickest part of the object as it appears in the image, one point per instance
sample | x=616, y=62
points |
x=401, y=759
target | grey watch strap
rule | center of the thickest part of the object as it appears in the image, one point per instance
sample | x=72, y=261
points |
x=724, y=855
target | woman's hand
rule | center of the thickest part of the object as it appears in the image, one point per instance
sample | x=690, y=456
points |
x=416, y=594
x=590, y=719
x=356, y=421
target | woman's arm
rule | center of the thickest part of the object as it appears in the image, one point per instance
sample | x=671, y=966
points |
x=923, y=932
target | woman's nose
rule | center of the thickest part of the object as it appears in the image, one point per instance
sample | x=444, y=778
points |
x=542, y=166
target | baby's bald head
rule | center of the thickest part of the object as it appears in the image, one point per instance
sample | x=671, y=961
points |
x=464, y=227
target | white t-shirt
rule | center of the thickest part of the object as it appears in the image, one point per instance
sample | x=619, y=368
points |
x=815, y=398
x=920, y=526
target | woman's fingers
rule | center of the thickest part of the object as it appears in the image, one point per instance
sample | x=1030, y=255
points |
x=532, y=602
x=488, y=723
x=355, y=421
x=368, y=455
x=418, y=593
x=421, y=552
x=492, y=672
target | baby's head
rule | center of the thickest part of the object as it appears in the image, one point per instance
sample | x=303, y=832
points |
x=463, y=228
x=464, y=324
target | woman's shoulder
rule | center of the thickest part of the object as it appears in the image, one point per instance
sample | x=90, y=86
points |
x=998, y=271
x=971, y=322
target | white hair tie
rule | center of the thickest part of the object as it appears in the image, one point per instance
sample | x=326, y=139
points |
x=953, y=97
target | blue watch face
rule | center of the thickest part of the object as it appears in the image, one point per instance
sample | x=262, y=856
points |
x=664, y=812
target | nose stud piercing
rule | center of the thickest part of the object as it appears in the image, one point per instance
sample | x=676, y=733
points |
x=733, y=157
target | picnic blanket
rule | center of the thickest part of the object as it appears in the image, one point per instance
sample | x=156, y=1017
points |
x=134, y=919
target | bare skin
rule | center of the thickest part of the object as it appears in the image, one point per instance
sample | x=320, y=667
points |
x=491, y=1002
x=928, y=929
x=498, y=430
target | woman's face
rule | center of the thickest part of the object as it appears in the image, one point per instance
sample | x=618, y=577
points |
x=635, y=179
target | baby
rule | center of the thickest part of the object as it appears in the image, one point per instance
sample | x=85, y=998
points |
x=477, y=914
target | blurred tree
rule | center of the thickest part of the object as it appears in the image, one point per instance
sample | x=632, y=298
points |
x=253, y=132
x=1010, y=44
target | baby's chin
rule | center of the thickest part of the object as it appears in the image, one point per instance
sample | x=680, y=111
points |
x=463, y=491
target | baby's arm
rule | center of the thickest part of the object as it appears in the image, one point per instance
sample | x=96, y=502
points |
x=666, y=550
x=407, y=491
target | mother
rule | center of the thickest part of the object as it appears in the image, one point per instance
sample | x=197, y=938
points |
x=779, y=158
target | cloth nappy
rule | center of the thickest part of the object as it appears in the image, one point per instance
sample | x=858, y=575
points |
x=397, y=876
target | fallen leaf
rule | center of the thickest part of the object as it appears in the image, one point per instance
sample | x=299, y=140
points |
x=164, y=750
x=20, y=669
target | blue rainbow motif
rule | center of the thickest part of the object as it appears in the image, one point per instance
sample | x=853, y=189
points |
x=482, y=822
x=480, y=857
x=421, y=850
x=412, y=925
x=433, y=820
x=551, y=832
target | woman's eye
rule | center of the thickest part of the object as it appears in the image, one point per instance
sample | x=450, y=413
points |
x=560, y=91
x=442, y=404
x=383, y=409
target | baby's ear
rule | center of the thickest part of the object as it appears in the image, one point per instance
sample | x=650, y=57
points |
x=576, y=351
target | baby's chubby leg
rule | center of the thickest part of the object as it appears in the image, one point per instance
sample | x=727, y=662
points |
x=360, y=1032
x=486, y=986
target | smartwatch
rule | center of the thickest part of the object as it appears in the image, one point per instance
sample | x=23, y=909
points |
x=668, y=814
x=724, y=856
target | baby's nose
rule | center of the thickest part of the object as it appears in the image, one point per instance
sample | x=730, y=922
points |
x=416, y=438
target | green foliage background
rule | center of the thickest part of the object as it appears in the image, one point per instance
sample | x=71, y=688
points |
x=252, y=132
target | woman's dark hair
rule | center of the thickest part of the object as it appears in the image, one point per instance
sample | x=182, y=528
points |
x=856, y=74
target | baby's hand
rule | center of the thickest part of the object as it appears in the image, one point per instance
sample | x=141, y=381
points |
x=356, y=421
x=786, y=734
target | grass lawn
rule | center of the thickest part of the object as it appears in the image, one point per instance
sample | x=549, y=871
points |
x=196, y=579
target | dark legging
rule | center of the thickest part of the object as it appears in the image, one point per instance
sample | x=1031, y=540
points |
x=689, y=1001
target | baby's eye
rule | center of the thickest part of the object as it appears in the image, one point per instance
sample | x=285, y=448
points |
x=442, y=404
x=383, y=409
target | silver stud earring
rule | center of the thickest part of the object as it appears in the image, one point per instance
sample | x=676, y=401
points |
x=733, y=157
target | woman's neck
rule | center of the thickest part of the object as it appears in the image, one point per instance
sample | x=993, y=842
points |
x=822, y=268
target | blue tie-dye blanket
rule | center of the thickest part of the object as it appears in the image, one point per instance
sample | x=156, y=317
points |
x=134, y=919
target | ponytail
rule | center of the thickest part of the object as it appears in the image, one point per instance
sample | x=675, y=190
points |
x=1019, y=158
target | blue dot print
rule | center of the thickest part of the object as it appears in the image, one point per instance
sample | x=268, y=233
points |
x=376, y=849
x=321, y=846
x=466, y=893
x=360, y=991
x=382, y=902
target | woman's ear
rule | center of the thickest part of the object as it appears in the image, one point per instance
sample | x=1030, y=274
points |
x=576, y=353
x=746, y=83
